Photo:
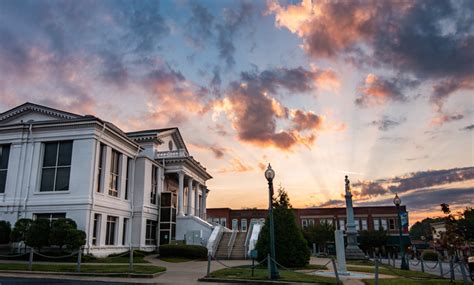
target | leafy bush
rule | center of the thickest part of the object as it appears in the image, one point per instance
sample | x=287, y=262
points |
x=37, y=235
x=429, y=255
x=60, y=229
x=5, y=229
x=20, y=229
x=186, y=251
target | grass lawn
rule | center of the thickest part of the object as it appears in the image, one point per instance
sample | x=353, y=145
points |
x=394, y=272
x=360, y=262
x=405, y=281
x=262, y=274
x=84, y=268
x=175, y=259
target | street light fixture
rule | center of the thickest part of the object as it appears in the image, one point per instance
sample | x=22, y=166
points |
x=397, y=201
x=273, y=270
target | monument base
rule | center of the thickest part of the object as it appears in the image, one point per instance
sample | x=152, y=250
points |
x=353, y=252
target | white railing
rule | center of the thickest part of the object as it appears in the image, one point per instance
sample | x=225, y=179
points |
x=231, y=243
x=214, y=240
x=171, y=153
x=252, y=237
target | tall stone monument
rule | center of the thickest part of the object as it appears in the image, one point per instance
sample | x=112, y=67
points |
x=352, y=249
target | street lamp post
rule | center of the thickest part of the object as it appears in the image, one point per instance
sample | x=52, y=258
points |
x=270, y=174
x=397, y=201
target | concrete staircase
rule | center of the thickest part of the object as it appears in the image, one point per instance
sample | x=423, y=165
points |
x=238, y=251
x=222, y=248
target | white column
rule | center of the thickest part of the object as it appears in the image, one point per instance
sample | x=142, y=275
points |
x=190, y=197
x=181, y=194
x=196, y=200
x=204, y=198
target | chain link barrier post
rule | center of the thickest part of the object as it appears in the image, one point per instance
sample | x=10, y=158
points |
x=79, y=257
x=130, y=260
x=208, y=265
x=335, y=270
x=376, y=277
x=451, y=269
x=30, y=260
x=440, y=261
x=463, y=272
x=422, y=264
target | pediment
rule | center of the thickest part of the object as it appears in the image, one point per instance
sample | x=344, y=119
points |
x=32, y=112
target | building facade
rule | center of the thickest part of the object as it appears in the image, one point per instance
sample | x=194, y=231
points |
x=137, y=189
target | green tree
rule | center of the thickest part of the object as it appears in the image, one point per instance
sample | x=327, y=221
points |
x=290, y=246
x=320, y=234
x=369, y=240
x=5, y=229
x=37, y=235
x=20, y=229
x=466, y=224
x=423, y=228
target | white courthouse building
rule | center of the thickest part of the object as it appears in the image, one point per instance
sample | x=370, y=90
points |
x=138, y=189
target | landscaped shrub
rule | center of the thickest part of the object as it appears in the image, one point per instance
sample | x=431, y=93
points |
x=186, y=251
x=430, y=255
x=5, y=229
x=37, y=235
x=20, y=229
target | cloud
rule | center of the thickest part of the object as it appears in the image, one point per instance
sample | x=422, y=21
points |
x=332, y=203
x=468, y=128
x=235, y=165
x=234, y=19
x=216, y=150
x=199, y=27
x=412, y=181
x=378, y=90
x=446, y=118
x=254, y=112
x=429, y=42
x=387, y=123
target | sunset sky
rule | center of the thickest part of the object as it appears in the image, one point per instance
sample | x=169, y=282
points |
x=379, y=90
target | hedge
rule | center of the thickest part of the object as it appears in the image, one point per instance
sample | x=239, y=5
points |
x=5, y=229
x=181, y=250
x=430, y=255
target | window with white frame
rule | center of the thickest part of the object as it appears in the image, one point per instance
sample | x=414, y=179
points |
x=383, y=224
x=391, y=224
x=304, y=223
x=357, y=224
x=114, y=173
x=96, y=229
x=235, y=224
x=100, y=168
x=310, y=222
x=325, y=221
x=376, y=224
x=223, y=222
x=364, y=224
x=124, y=231
x=154, y=184
x=243, y=225
x=342, y=224
x=150, y=238
x=4, y=157
x=56, y=168
x=49, y=216
x=111, y=230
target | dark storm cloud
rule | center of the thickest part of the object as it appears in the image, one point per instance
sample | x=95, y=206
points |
x=430, y=40
x=114, y=70
x=468, y=128
x=429, y=199
x=377, y=90
x=255, y=111
x=199, y=27
x=234, y=19
x=387, y=123
x=412, y=181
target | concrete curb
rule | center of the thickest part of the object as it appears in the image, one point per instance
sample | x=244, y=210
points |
x=125, y=274
x=247, y=281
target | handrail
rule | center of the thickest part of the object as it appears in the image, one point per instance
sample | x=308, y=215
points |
x=254, y=237
x=214, y=240
x=231, y=243
x=247, y=239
